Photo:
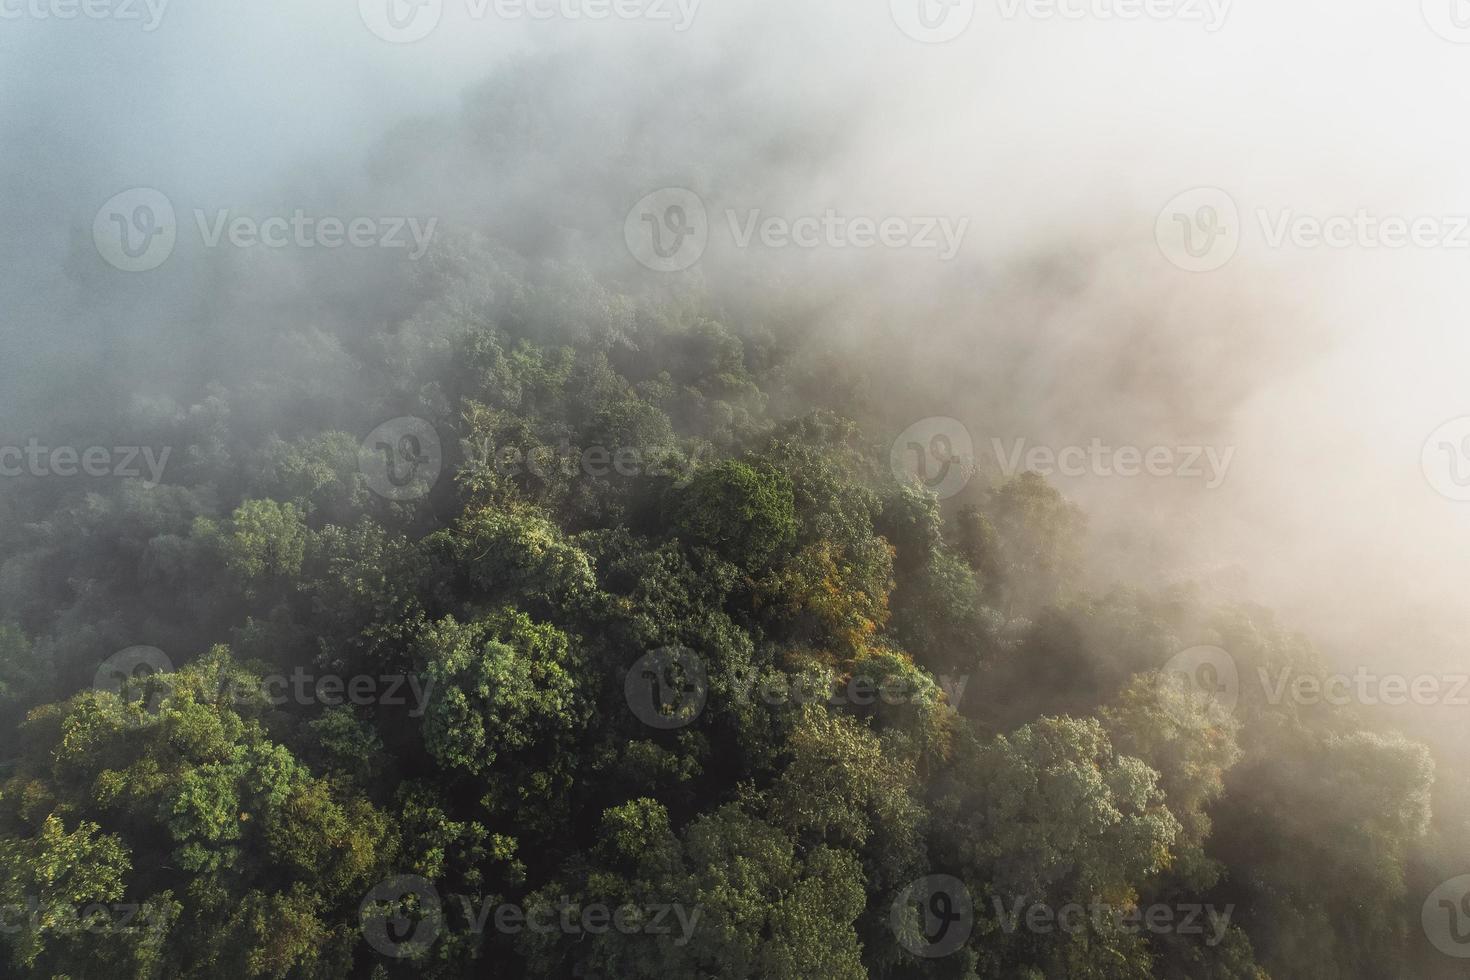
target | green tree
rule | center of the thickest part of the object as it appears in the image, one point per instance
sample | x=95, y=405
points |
x=266, y=542
x=743, y=510
x=502, y=686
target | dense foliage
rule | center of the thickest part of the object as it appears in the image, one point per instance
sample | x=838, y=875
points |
x=664, y=634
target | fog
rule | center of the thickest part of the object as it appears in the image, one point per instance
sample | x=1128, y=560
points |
x=1201, y=263
x=1060, y=319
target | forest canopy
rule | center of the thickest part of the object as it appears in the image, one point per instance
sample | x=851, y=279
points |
x=520, y=616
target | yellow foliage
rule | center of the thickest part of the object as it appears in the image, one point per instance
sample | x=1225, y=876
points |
x=848, y=602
